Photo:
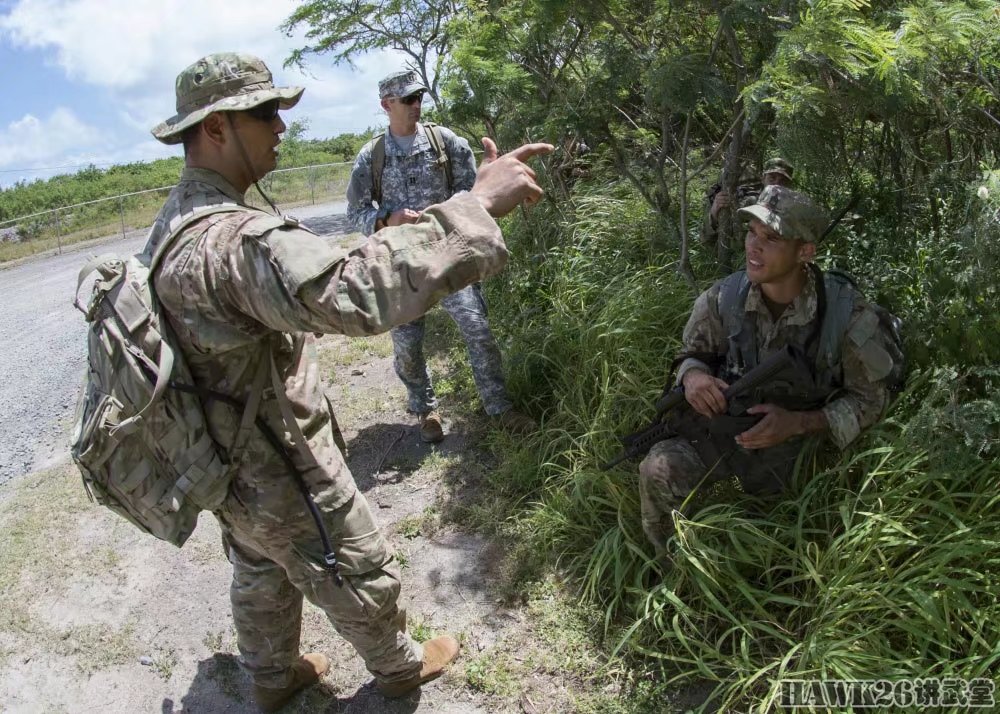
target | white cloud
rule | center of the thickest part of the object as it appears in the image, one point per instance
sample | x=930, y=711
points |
x=31, y=140
x=126, y=44
x=130, y=52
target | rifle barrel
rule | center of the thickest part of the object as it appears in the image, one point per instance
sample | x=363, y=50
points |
x=764, y=372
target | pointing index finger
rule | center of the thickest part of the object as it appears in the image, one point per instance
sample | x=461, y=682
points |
x=525, y=152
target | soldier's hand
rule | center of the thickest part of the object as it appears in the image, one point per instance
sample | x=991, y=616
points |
x=505, y=182
x=403, y=215
x=777, y=426
x=704, y=393
x=720, y=201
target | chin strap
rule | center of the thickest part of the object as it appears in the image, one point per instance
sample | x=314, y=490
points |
x=247, y=165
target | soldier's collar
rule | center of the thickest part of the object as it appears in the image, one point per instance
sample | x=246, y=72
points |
x=215, y=180
x=419, y=139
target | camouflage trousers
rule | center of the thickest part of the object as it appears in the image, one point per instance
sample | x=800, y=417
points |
x=675, y=467
x=669, y=473
x=274, y=565
x=468, y=309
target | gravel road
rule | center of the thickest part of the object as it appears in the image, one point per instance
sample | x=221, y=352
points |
x=43, y=344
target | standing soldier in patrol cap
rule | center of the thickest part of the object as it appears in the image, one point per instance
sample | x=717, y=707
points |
x=244, y=291
x=396, y=176
x=781, y=300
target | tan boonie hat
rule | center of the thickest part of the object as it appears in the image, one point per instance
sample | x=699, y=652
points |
x=400, y=84
x=778, y=165
x=791, y=214
x=223, y=82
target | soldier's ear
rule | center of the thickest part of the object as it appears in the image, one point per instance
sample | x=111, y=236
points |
x=807, y=252
x=213, y=128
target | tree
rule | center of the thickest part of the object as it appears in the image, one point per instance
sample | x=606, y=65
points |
x=347, y=29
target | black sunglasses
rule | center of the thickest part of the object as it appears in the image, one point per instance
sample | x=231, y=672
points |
x=412, y=99
x=268, y=111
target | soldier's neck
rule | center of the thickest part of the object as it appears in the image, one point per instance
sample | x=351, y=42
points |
x=784, y=290
x=403, y=128
x=237, y=176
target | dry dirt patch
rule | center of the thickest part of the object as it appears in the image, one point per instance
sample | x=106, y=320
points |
x=95, y=616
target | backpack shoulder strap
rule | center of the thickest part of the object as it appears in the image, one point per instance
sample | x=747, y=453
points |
x=186, y=221
x=378, y=166
x=741, y=353
x=437, y=141
x=165, y=364
x=839, y=290
x=733, y=299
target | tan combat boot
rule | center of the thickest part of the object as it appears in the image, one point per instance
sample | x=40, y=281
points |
x=514, y=422
x=438, y=654
x=431, y=427
x=306, y=671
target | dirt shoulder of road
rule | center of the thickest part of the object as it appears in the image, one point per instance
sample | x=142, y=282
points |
x=96, y=616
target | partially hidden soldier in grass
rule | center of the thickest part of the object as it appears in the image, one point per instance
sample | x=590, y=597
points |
x=397, y=176
x=782, y=299
x=245, y=290
x=777, y=172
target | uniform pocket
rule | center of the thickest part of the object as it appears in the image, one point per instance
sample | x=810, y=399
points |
x=363, y=559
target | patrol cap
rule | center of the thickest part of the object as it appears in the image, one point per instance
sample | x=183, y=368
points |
x=777, y=165
x=223, y=82
x=791, y=214
x=400, y=84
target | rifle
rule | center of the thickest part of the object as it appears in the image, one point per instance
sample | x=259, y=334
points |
x=855, y=197
x=640, y=442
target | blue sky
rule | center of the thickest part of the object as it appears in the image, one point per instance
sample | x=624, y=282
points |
x=83, y=81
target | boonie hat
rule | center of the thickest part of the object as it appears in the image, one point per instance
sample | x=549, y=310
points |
x=790, y=214
x=223, y=82
x=778, y=165
x=400, y=84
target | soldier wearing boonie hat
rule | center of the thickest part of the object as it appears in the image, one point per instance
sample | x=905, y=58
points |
x=223, y=82
x=245, y=291
x=781, y=300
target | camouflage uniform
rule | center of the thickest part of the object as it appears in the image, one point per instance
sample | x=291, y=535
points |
x=674, y=468
x=241, y=287
x=233, y=284
x=414, y=180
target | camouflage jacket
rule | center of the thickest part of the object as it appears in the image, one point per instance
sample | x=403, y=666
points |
x=410, y=180
x=865, y=360
x=234, y=283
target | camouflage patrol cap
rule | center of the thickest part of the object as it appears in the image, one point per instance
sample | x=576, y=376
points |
x=400, y=84
x=791, y=214
x=223, y=82
x=777, y=165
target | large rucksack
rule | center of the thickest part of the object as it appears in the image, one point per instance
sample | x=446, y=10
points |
x=143, y=446
x=436, y=140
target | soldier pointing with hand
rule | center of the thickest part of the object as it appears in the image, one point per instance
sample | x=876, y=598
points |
x=244, y=291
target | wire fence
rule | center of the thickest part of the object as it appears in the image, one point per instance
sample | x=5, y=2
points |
x=56, y=228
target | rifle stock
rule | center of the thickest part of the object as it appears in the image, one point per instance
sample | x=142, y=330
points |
x=640, y=442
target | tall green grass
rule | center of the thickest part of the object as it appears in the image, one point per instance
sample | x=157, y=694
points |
x=879, y=562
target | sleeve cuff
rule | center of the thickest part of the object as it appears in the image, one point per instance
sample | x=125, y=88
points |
x=689, y=364
x=844, y=425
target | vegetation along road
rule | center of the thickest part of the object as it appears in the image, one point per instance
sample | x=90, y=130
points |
x=43, y=346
